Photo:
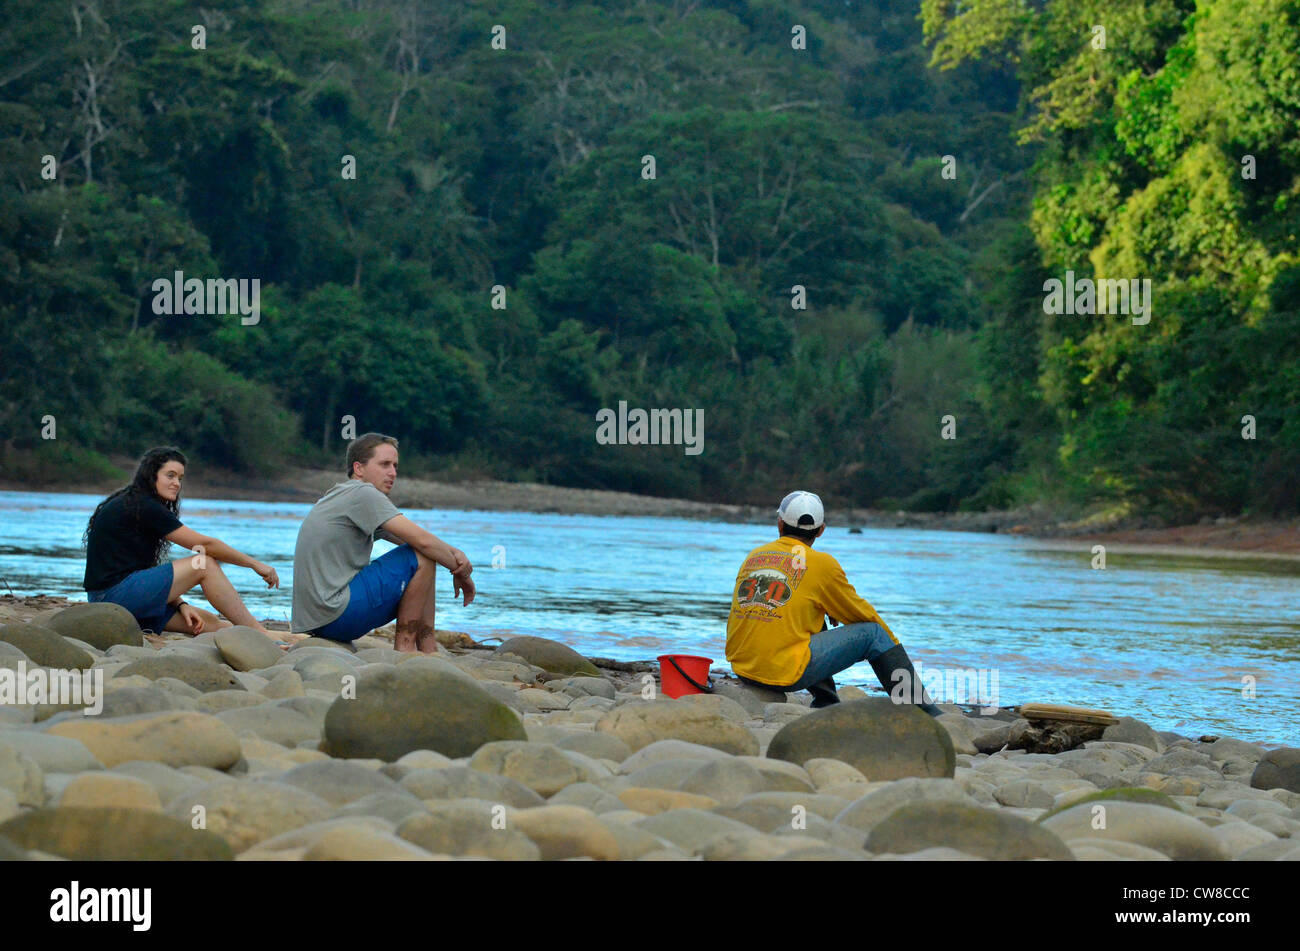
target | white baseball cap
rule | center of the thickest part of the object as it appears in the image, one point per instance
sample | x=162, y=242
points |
x=802, y=510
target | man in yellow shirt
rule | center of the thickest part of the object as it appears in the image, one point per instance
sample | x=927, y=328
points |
x=784, y=591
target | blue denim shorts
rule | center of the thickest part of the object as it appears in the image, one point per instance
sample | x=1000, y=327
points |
x=373, y=595
x=144, y=594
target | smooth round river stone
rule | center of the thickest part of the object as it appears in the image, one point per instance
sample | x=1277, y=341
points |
x=1139, y=794
x=244, y=648
x=394, y=807
x=408, y=707
x=866, y=812
x=246, y=813
x=346, y=844
x=99, y=788
x=114, y=835
x=1129, y=730
x=880, y=738
x=541, y=767
x=281, y=725
x=469, y=827
x=45, y=647
x=100, y=625
x=199, y=674
x=131, y=701
x=549, y=655
x=726, y=781
x=461, y=782
x=563, y=832
x=1278, y=769
x=692, y=829
x=21, y=775
x=987, y=833
x=339, y=782
x=54, y=754
x=1171, y=833
x=595, y=745
x=180, y=738
x=584, y=687
x=642, y=722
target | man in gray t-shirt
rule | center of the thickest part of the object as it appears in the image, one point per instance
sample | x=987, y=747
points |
x=338, y=592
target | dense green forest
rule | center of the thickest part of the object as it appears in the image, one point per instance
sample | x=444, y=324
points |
x=826, y=224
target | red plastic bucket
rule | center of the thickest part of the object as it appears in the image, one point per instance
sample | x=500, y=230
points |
x=680, y=674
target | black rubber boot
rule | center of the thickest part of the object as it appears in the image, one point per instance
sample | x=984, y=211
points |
x=823, y=693
x=895, y=659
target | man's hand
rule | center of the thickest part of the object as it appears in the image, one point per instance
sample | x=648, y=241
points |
x=191, y=618
x=462, y=567
x=463, y=584
x=267, y=574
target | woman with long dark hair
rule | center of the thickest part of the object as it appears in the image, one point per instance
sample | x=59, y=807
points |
x=127, y=540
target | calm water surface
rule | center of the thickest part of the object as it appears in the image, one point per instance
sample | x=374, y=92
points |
x=1164, y=638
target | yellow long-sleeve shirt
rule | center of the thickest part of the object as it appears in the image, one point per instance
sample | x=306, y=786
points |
x=783, y=592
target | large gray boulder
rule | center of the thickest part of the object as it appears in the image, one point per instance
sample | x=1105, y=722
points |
x=882, y=739
x=1129, y=730
x=1278, y=769
x=101, y=624
x=45, y=647
x=988, y=833
x=549, y=655
x=416, y=706
x=113, y=834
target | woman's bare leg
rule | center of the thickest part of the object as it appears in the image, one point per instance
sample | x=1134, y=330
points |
x=210, y=622
x=216, y=587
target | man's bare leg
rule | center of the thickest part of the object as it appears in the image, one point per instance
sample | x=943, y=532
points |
x=416, y=609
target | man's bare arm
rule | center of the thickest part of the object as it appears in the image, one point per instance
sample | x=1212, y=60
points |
x=427, y=544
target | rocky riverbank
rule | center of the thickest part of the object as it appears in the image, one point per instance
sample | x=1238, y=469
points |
x=225, y=746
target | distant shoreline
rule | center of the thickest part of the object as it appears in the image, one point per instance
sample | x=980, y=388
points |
x=1235, y=538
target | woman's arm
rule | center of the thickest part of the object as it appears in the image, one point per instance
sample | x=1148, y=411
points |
x=216, y=548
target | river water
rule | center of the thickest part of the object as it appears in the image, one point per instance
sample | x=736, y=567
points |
x=1188, y=643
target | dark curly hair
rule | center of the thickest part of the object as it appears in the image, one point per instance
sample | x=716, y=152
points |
x=142, y=485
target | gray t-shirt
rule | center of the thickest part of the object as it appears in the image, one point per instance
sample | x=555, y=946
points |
x=334, y=544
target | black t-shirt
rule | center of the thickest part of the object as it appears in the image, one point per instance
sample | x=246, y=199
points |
x=125, y=538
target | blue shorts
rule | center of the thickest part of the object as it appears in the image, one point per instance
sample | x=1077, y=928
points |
x=144, y=594
x=373, y=595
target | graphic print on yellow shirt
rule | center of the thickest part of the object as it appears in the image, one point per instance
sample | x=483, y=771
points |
x=770, y=579
x=783, y=593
